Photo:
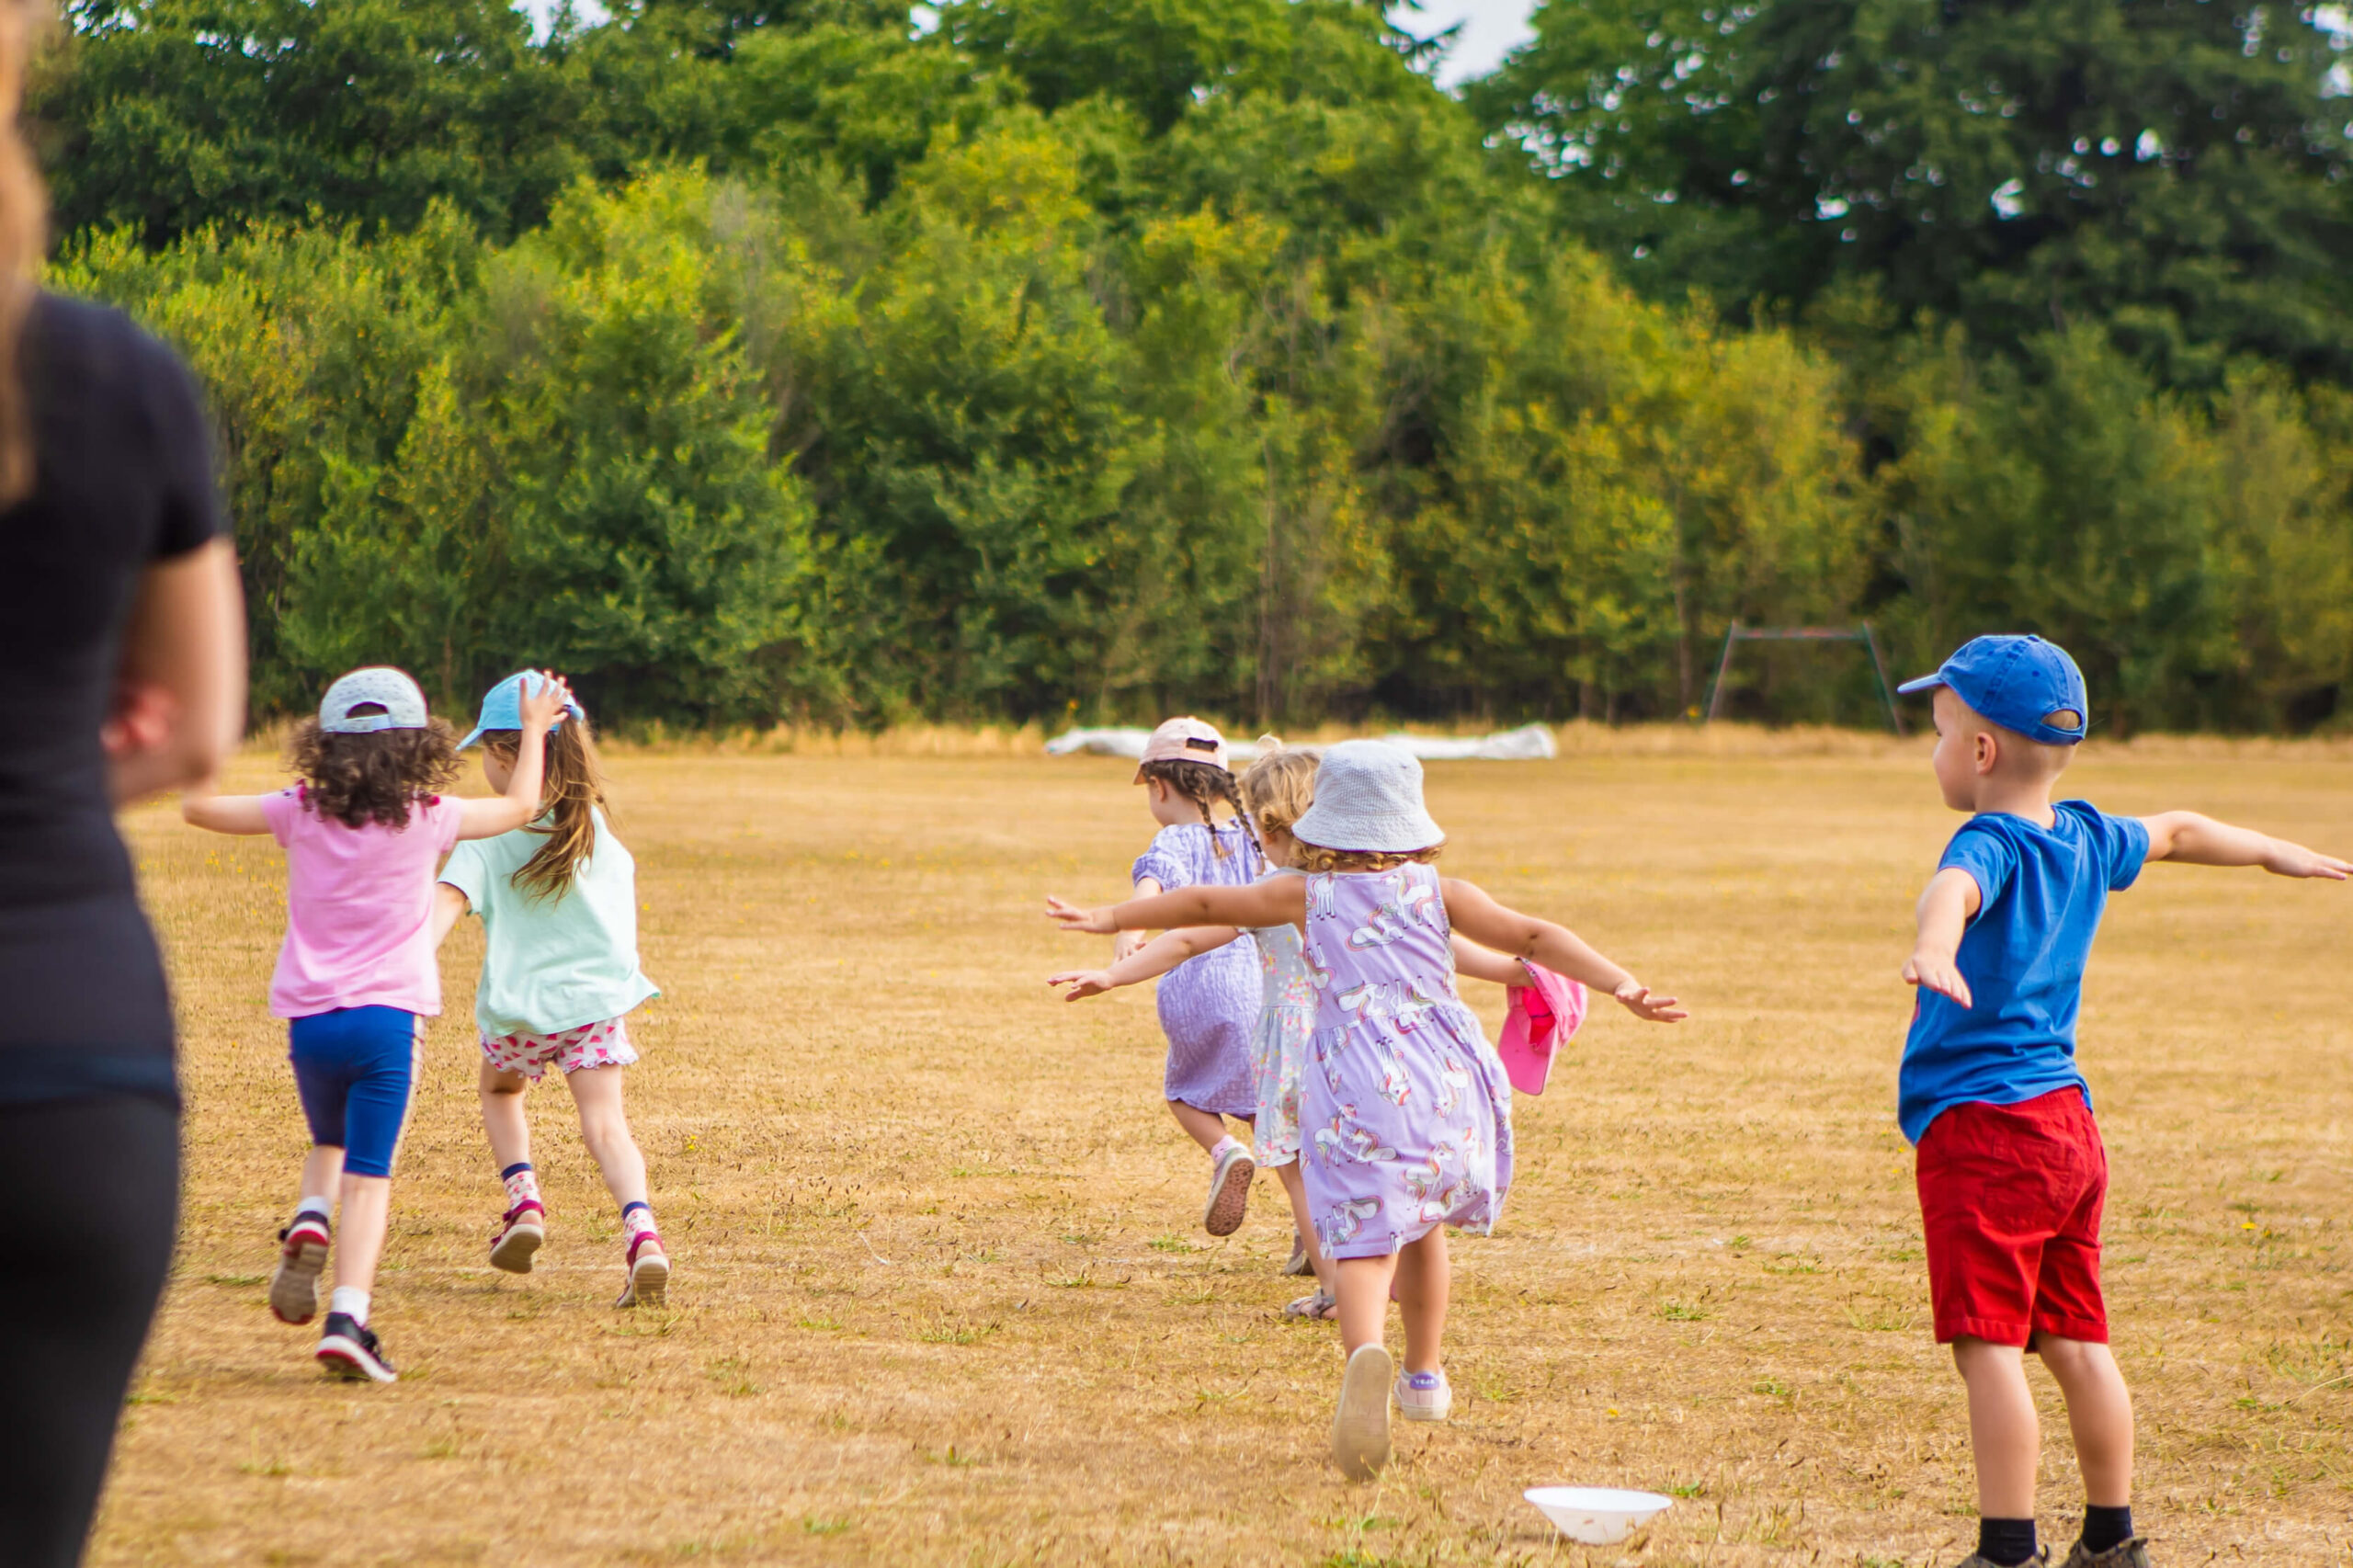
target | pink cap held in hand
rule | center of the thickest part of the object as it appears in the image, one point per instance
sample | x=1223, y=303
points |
x=1184, y=740
x=1544, y=1014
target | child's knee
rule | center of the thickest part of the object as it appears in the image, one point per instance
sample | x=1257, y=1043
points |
x=497, y=1083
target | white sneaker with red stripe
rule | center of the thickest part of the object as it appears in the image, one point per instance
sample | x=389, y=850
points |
x=302, y=1258
x=649, y=1272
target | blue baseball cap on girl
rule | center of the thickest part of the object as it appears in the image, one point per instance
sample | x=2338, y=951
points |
x=502, y=708
x=2017, y=682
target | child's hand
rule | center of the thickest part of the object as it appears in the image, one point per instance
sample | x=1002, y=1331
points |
x=1071, y=918
x=541, y=707
x=1939, y=972
x=1085, y=983
x=1636, y=998
x=2285, y=860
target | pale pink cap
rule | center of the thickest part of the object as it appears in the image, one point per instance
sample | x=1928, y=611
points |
x=1184, y=740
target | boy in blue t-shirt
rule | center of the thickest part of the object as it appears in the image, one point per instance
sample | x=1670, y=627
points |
x=2012, y=1174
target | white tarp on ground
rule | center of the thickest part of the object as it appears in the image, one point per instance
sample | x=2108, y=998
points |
x=1530, y=743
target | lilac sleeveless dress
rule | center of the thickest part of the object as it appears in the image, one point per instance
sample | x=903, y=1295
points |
x=1405, y=1109
x=1208, y=1006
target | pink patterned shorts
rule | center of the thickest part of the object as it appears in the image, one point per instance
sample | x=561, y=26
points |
x=602, y=1044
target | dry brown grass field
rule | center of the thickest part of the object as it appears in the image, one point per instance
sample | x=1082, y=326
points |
x=942, y=1296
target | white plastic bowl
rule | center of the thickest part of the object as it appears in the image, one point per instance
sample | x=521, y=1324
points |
x=1598, y=1515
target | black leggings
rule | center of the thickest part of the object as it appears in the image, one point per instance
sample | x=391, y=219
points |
x=92, y=1189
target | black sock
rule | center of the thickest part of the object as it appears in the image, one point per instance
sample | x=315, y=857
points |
x=2105, y=1527
x=2006, y=1542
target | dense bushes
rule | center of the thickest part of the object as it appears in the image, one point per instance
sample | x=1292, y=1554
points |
x=1051, y=365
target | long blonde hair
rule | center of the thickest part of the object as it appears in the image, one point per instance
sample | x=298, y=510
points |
x=571, y=791
x=24, y=237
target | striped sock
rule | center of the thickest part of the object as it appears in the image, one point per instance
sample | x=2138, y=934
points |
x=522, y=1184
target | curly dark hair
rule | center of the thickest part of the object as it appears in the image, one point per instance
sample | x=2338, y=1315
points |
x=358, y=780
x=1202, y=783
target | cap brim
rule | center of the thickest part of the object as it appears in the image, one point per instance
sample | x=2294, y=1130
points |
x=1925, y=683
x=470, y=739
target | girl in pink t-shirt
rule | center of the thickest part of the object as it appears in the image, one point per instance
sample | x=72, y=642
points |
x=364, y=833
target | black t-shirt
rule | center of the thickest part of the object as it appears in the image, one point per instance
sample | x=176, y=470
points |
x=124, y=478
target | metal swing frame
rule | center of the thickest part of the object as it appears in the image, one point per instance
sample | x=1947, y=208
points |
x=1862, y=634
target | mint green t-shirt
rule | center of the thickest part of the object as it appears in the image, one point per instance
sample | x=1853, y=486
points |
x=551, y=964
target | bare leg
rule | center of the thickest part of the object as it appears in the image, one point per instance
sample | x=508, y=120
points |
x=366, y=1209
x=604, y=1129
x=1424, y=1279
x=1205, y=1127
x=1364, y=1298
x=502, y=1117
x=2099, y=1415
x=2003, y=1433
x=321, y=1171
x=1295, y=1188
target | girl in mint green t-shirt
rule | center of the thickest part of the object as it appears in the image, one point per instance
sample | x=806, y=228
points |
x=558, y=902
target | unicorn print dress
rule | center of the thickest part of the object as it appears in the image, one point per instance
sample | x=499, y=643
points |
x=1404, y=1110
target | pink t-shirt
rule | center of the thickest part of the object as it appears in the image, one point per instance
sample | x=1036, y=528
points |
x=359, y=908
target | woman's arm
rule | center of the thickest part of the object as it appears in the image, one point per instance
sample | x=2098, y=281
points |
x=1558, y=949
x=1485, y=963
x=1157, y=957
x=199, y=807
x=1277, y=901
x=179, y=703
x=520, y=804
x=449, y=905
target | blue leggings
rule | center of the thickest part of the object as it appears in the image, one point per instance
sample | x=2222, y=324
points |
x=356, y=1068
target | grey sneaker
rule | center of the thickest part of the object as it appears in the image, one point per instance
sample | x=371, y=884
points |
x=2129, y=1553
x=1360, y=1424
x=2041, y=1555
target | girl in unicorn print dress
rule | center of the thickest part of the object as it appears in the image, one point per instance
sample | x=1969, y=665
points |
x=1410, y=1111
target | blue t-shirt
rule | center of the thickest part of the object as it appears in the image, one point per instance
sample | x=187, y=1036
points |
x=2042, y=891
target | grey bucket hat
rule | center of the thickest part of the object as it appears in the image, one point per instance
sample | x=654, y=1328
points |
x=1368, y=796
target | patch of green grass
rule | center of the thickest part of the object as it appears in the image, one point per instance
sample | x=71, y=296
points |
x=1171, y=1243
x=815, y=1526
x=1686, y=1312
x=944, y=1332
x=238, y=1281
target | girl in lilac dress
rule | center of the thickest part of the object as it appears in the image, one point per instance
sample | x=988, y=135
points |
x=1208, y=1005
x=1405, y=1111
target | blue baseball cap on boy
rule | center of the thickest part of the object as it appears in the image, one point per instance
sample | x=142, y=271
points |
x=502, y=708
x=2017, y=682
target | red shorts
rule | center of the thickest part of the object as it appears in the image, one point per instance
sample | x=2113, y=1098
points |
x=2010, y=1199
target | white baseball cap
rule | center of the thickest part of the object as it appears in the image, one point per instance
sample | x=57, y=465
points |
x=1368, y=796
x=378, y=686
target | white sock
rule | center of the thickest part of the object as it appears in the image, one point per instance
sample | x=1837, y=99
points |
x=323, y=1206
x=351, y=1299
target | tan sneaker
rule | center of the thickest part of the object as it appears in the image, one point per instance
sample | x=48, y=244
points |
x=1360, y=1424
x=1229, y=1192
x=2041, y=1556
x=2129, y=1553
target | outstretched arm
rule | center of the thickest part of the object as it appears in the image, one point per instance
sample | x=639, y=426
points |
x=1157, y=957
x=1557, y=947
x=1947, y=906
x=1485, y=963
x=1277, y=901
x=2194, y=840
x=199, y=807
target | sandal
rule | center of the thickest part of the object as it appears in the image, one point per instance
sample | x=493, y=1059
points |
x=1318, y=1307
x=1300, y=1263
